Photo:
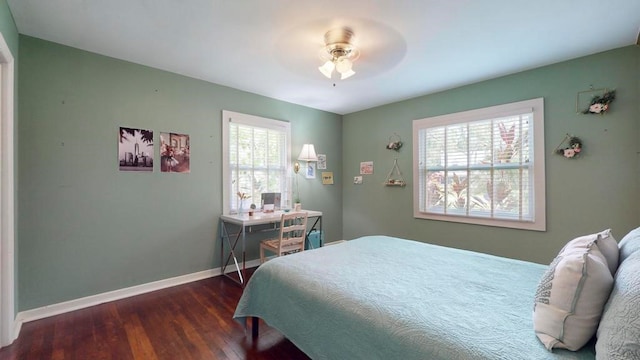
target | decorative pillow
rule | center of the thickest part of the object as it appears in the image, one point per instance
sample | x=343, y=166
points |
x=629, y=244
x=609, y=248
x=619, y=329
x=606, y=243
x=571, y=295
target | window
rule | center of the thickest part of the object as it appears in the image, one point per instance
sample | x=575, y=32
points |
x=255, y=159
x=483, y=166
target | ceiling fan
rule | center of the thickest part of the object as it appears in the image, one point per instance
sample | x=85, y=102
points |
x=339, y=53
x=361, y=45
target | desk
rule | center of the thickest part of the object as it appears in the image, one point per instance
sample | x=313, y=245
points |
x=241, y=223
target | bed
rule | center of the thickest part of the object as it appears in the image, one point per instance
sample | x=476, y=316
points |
x=380, y=297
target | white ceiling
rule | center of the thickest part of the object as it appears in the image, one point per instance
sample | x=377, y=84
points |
x=270, y=47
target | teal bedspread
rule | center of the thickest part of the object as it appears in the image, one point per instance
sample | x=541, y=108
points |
x=380, y=297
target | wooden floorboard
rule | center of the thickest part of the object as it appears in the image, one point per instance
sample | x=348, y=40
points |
x=190, y=321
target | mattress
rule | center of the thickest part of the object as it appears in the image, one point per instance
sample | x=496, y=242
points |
x=380, y=297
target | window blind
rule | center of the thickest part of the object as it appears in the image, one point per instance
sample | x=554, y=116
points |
x=483, y=166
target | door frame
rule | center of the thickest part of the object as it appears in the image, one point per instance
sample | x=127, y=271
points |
x=8, y=328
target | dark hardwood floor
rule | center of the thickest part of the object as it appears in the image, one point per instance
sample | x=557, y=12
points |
x=191, y=321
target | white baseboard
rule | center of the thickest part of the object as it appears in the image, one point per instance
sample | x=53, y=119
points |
x=81, y=303
x=335, y=242
x=17, y=325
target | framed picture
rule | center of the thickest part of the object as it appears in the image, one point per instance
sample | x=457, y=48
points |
x=357, y=180
x=310, y=172
x=366, y=168
x=135, y=149
x=327, y=178
x=174, y=153
x=322, y=161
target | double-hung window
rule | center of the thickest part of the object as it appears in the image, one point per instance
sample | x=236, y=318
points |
x=483, y=166
x=255, y=160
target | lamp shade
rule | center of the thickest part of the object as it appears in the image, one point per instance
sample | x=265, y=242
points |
x=347, y=74
x=308, y=153
x=327, y=68
x=343, y=65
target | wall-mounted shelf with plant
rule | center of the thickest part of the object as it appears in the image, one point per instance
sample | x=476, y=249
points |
x=395, y=177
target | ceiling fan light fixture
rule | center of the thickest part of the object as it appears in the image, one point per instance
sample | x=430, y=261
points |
x=347, y=74
x=338, y=53
x=343, y=65
x=327, y=68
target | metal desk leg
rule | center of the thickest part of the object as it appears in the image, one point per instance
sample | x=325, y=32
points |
x=321, y=242
x=226, y=237
x=313, y=227
x=244, y=260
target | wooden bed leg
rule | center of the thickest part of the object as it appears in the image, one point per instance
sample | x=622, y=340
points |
x=254, y=327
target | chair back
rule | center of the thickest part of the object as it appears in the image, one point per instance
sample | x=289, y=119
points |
x=293, y=228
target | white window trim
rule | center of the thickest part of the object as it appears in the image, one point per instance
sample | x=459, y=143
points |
x=538, y=166
x=227, y=117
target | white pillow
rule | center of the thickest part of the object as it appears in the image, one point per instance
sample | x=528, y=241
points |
x=606, y=243
x=609, y=248
x=571, y=295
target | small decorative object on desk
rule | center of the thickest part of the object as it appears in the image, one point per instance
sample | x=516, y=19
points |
x=395, y=143
x=241, y=197
x=573, y=149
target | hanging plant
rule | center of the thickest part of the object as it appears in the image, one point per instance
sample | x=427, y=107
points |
x=600, y=103
x=395, y=143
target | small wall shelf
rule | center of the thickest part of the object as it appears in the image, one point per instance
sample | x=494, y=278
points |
x=395, y=177
x=395, y=183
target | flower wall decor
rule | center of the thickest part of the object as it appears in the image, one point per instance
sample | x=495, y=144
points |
x=573, y=150
x=599, y=104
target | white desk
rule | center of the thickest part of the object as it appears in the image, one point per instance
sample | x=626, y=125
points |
x=241, y=223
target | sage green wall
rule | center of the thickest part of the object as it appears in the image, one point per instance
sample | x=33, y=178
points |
x=597, y=191
x=8, y=28
x=84, y=226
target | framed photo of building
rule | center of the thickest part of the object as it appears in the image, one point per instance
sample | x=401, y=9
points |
x=135, y=149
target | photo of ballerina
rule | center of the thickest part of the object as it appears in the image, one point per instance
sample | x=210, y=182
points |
x=174, y=153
